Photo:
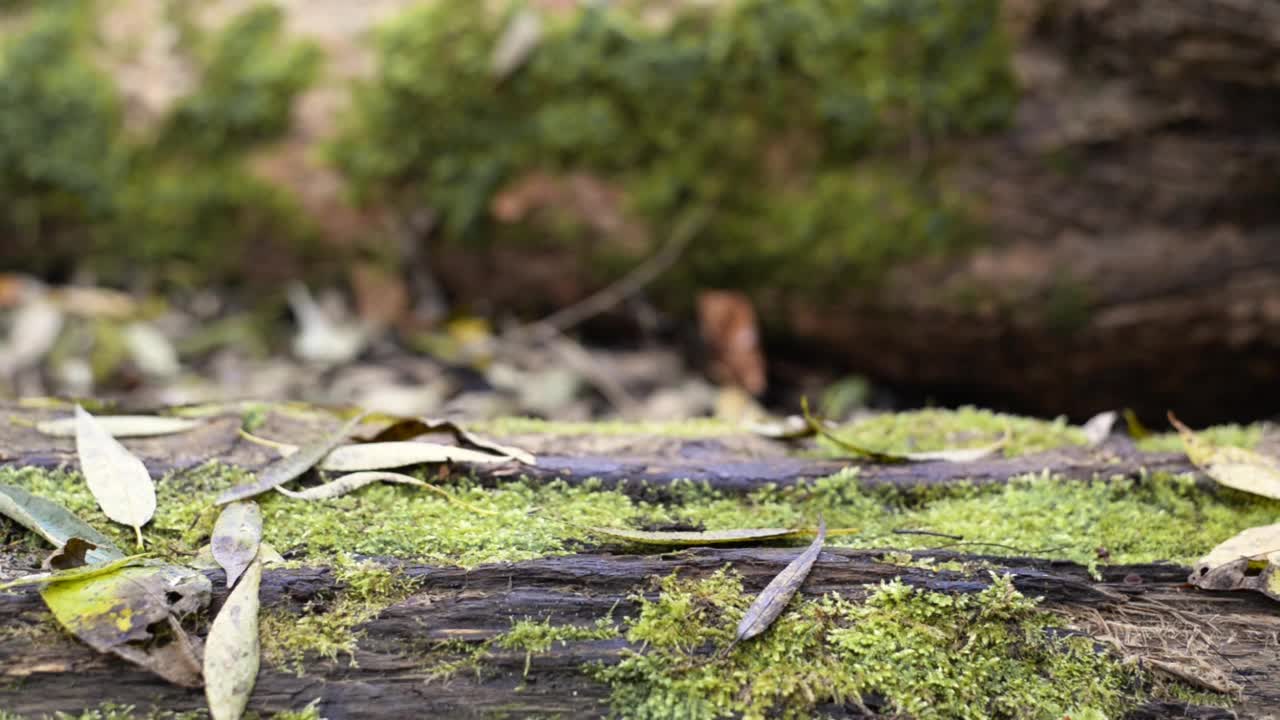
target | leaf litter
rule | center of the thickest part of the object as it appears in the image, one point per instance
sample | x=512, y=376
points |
x=54, y=523
x=771, y=601
x=231, y=654
x=291, y=466
x=236, y=537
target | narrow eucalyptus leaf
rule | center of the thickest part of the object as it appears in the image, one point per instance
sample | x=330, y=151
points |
x=774, y=598
x=54, y=523
x=122, y=425
x=236, y=537
x=231, y=651
x=118, y=480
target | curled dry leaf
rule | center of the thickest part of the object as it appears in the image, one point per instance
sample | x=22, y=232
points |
x=116, y=611
x=122, y=425
x=54, y=523
x=774, y=598
x=704, y=537
x=1098, y=428
x=350, y=483
x=291, y=466
x=355, y=481
x=231, y=652
x=118, y=480
x=409, y=428
x=1233, y=467
x=69, y=556
x=1247, y=561
x=236, y=537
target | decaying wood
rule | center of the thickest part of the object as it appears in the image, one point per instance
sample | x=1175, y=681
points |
x=390, y=673
x=641, y=468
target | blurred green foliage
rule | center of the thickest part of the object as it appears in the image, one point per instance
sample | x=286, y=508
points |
x=854, y=99
x=176, y=200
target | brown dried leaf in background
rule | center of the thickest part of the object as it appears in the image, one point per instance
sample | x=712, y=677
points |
x=382, y=299
x=775, y=596
x=730, y=333
x=236, y=537
x=231, y=655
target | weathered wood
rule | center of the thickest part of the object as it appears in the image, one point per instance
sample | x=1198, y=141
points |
x=388, y=675
x=714, y=461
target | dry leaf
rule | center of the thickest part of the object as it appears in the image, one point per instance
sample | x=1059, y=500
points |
x=118, y=480
x=1098, y=427
x=774, y=598
x=410, y=428
x=54, y=523
x=69, y=556
x=32, y=333
x=151, y=351
x=350, y=483
x=122, y=425
x=231, y=651
x=1233, y=467
x=1247, y=561
x=704, y=537
x=321, y=340
x=236, y=536
x=291, y=466
x=380, y=456
x=729, y=328
x=115, y=612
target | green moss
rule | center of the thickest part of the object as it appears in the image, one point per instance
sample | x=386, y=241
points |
x=332, y=629
x=1160, y=517
x=801, y=129
x=538, y=637
x=923, y=654
x=936, y=429
x=1245, y=436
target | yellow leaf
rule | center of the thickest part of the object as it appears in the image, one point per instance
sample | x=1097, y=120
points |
x=1233, y=467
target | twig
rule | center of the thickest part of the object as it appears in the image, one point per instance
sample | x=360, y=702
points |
x=646, y=272
x=929, y=533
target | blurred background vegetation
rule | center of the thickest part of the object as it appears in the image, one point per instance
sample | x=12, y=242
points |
x=879, y=179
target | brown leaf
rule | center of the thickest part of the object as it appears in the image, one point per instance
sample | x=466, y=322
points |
x=774, y=598
x=727, y=321
x=71, y=555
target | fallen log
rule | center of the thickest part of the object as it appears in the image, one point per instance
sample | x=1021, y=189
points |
x=390, y=674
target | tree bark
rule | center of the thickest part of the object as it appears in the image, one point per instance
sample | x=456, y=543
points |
x=387, y=676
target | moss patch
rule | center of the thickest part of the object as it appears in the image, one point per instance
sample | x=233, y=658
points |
x=538, y=637
x=919, y=654
x=1245, y=436
x=937, y=429
x=332, y=630
x=800, y=129
x=179, y=200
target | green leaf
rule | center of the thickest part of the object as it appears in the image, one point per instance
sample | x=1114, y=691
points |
x=236, y=537
x=231, y=654
x=774, y=598
x=291, y=466
x=118, y=480
x=53, y=522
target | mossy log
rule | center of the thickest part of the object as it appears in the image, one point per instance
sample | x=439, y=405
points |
x=389, y=673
